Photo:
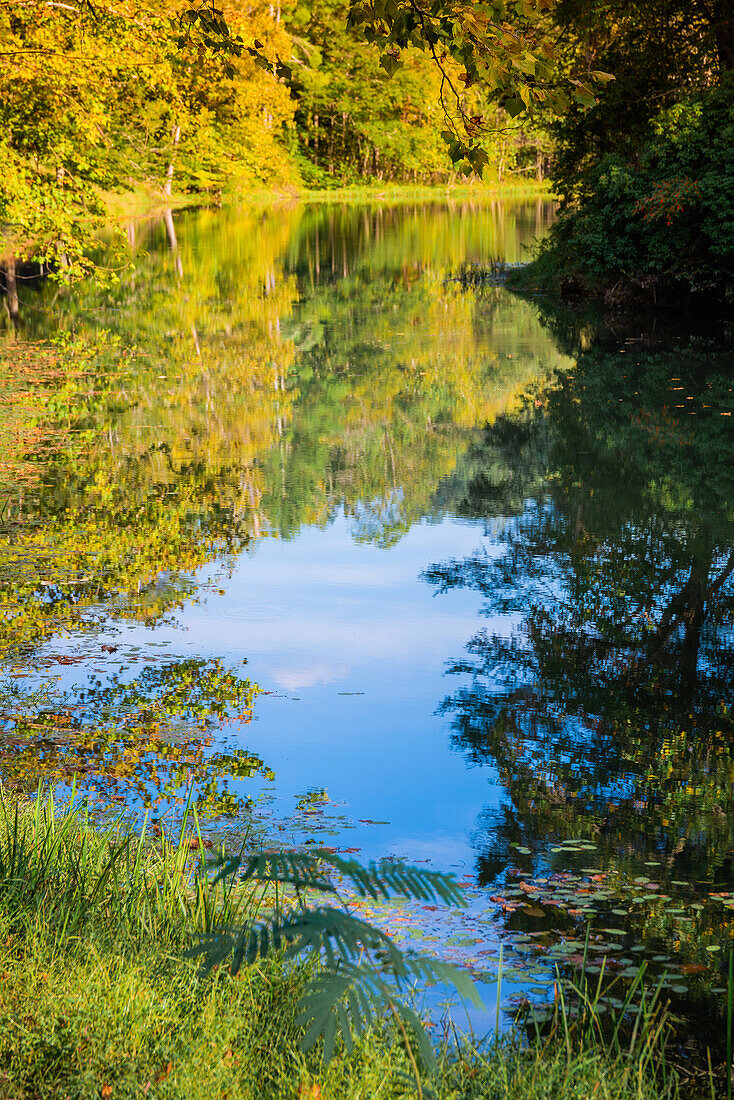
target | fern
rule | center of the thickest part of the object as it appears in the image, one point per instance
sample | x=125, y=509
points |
x=361, y=973
x=378, y=880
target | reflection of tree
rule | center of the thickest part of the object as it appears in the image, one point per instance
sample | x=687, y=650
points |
x=608, y=708
x=395, y=367
x=236, y=381
x=275, y=412
x=146, y=739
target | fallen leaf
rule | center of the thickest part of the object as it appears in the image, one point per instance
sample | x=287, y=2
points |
x=161, y=1076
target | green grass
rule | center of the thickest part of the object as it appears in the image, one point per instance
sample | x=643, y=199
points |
x=151, y=202
x=388, y=193
x=98, y=1000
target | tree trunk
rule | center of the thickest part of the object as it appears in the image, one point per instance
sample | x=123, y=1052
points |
x=11, y=291
x=175, y=136
x=724, y=32
x=173, y=241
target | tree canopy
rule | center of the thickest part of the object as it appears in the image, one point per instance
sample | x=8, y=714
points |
x=109, y=97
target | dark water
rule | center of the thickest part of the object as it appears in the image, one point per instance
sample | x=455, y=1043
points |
x=478, y=556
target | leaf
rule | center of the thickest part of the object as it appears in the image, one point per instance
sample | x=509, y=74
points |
x=163, y=1073
x=514, y=107
x=378, y=880
x=390, y=63
x=586, y=99
x=360, y=969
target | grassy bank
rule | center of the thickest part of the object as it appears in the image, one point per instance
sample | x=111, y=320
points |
x=151, y=202
x=98, y=999
x=455, y=192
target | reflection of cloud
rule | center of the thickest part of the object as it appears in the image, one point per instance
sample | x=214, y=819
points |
x=309, y=676
x=393, y=632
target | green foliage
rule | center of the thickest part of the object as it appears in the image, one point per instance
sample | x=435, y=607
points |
x=508, y=50
x=360, y=972
x=356, y=120
x=660, y=52
x=182, y=99
x=96, y=999
x=102, y=98
x=662, y=222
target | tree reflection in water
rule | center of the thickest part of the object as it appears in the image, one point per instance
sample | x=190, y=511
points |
x=606, y=709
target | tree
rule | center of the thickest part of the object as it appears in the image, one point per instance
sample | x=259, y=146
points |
x=106, y=97
x=660, y=52
x=507, y=49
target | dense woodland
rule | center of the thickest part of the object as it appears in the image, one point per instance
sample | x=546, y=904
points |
x=627, y=105
x=175, y=101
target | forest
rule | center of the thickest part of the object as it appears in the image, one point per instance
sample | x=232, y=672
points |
x=625, y=106
x=366, y=549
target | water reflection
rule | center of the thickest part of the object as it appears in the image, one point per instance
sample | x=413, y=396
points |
x=603, y=691
x=252, y=446
x=253, y=376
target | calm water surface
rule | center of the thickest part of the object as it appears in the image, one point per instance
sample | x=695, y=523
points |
x=476, y=555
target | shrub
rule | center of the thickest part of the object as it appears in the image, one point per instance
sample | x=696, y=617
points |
x=665, y=222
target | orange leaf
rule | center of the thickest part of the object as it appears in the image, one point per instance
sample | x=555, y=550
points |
x=161, y=1076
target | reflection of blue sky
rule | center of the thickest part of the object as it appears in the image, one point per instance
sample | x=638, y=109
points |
x=322, y=615
x=352, y=646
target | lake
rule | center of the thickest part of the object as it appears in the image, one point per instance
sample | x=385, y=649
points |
x=304, y=511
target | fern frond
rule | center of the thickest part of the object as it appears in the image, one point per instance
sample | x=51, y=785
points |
x=384, y=879
x=361, y=972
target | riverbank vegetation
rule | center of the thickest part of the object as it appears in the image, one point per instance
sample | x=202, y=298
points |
x=628, y=107
x=645, y=173
x=175, y=103
x=99, y=998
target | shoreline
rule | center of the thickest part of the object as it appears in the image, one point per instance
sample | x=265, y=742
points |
x=139, y=204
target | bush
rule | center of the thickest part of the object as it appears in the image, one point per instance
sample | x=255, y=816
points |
x=665, y=223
